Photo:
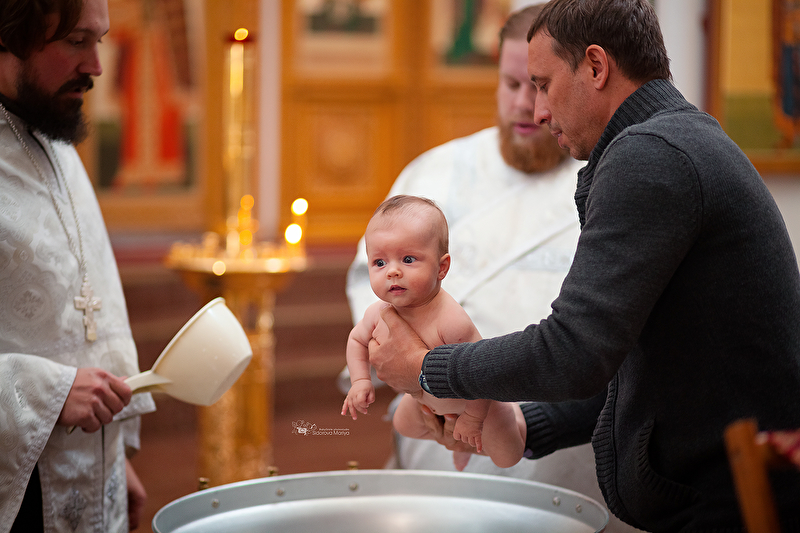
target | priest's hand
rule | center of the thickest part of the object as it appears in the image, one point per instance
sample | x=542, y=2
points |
x=397, y=359
x=95, y=397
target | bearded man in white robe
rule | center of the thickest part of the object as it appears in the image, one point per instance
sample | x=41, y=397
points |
x=508, y=195
x=65, y=340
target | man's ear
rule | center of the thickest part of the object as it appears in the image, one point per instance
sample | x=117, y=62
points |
x=600, y=64
x=444, y=266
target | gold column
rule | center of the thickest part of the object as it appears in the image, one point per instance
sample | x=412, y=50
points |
x=235, y=434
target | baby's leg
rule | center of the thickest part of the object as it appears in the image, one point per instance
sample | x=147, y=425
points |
x=504, y=433
x=408, y=421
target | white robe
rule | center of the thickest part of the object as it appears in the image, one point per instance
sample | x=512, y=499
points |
x=42, y=343
x=512, y=239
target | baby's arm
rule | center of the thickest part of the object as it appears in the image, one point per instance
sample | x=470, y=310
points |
x=362, y=392
x=470, y=423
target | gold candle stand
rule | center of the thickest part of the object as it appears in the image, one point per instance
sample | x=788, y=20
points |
x=235, y=434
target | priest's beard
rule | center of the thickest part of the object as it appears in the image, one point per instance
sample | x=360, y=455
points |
x=54, y=116
x=538, y=154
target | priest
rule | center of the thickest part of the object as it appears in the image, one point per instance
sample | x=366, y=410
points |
x=65, y=340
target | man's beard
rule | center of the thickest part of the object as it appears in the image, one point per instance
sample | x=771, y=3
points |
x=53, y=115
x=538, y=154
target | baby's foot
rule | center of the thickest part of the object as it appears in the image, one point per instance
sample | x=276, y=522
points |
x=460, y=460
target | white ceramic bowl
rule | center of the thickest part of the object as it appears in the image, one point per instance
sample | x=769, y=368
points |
x=203, y=360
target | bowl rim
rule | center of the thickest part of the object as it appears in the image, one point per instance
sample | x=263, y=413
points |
x=195, y=317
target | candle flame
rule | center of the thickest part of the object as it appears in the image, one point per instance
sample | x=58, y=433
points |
x=300, y=206
x=293, y=233
x=218, y=268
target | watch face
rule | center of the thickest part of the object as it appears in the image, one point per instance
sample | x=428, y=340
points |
x=423, y=383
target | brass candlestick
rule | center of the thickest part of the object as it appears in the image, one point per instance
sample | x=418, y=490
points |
x=235, y=434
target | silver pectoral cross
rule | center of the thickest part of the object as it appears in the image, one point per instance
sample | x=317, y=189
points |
x=87, y=303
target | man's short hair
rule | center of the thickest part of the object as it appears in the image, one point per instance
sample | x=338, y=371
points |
x=518, y=23
x=23, y=23
x=627, y=30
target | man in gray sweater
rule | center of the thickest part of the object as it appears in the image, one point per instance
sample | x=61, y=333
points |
x=681, y=310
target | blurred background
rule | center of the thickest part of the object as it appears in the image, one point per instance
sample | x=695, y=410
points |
x=204, y=135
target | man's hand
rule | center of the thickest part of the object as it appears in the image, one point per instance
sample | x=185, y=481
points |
x=397, y=359
x=95, y=397
x=137, y=496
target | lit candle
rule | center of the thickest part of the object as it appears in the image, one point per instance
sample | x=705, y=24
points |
x=247, y=224
x=293, y=234
x=299, y=210
x=294, y=231
x=238, y=109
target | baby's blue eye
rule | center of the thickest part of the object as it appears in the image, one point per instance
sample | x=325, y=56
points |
x=408, y=259
x=379, y=262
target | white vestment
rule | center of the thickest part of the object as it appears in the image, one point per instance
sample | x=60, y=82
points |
x=512, y=239
x=43, y=342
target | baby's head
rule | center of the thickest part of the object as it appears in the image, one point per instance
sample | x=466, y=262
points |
x=407, y=250
x=409, y=216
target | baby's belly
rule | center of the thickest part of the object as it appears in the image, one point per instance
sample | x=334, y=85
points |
x=443, y=406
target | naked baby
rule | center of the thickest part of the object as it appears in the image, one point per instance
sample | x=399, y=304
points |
x=407, y=247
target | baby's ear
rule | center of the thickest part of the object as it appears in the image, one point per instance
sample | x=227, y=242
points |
x=444, y=266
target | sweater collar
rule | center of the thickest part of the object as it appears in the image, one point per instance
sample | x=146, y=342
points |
x=648, y=100
x=651, y=98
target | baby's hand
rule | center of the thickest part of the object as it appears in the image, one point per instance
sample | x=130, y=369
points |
x=360, y=396
x=468, y=429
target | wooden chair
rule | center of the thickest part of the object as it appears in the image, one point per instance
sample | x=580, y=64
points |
x=750, y=459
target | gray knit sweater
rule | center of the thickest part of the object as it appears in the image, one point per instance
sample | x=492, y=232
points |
x=681, y=313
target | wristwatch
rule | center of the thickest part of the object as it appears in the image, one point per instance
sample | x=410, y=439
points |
x=424, y=382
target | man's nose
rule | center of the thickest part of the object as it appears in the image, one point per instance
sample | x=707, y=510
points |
x=541, y=113
x=90, y=63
